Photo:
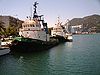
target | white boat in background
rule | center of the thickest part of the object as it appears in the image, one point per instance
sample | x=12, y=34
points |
x=61, y=32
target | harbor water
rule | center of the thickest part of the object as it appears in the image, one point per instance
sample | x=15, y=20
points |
x=80, y=57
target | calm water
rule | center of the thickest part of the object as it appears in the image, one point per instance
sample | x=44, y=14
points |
x=80, y=57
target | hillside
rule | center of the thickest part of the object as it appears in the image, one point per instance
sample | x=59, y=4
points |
x=91, y=22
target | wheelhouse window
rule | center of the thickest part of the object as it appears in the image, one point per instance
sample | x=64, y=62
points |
x=33, y=25
x=30, y=25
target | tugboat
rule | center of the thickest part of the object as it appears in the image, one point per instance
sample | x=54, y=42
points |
x=32, y=36
x=60, y=32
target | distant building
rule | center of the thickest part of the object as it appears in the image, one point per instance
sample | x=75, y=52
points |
x=77, y=29
x=9, y=20
x=92, y=30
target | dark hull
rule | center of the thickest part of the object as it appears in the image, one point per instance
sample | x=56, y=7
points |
x=20, y=46
x=69, y=40
x=62, y=39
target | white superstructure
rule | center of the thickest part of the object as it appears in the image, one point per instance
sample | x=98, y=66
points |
x=58, y=29
x=61, y=30
x=32, y=29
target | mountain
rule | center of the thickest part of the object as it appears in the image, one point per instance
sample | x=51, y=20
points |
x=90, y=23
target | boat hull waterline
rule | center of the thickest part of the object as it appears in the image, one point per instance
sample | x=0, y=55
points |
x=33, y=45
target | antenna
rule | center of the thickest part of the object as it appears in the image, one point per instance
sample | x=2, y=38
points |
x=59, y=23
x=35, y=7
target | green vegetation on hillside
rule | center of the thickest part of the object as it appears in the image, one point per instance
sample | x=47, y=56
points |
x=11, y=30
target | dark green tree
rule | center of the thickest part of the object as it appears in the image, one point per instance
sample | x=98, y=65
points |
x=11, y=31
x=2, y=28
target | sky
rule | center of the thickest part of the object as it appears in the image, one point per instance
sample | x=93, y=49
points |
x=51, y=9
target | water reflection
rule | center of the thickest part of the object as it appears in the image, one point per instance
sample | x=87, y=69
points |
x=20, y=60
x=69, y=44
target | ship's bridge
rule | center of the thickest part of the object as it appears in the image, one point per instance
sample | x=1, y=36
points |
x=31, y=24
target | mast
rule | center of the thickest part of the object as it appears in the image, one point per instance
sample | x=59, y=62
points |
x=35, y=10
x=59, y=22
x=35, y=15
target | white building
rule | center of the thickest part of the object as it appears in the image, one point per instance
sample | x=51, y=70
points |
x=76, y=29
